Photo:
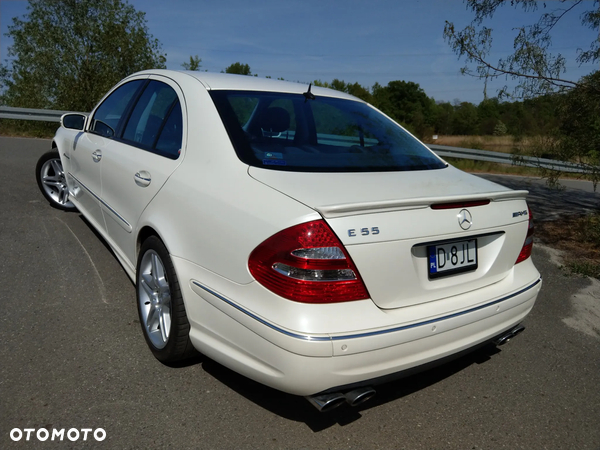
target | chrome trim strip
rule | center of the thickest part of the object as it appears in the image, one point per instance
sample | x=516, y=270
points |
x=264, y=322
x=101, y=201
x=439, y=319
x=368, y=334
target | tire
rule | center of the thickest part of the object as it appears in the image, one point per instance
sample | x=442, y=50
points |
x=52, y=182
x=160, y=304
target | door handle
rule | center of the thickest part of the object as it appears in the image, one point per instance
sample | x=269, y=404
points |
x=142, y=178
x=97, y=156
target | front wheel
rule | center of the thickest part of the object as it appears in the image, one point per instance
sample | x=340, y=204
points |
x=160, y=304
x=52, y=182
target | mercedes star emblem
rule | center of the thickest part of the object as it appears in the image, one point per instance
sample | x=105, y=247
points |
x=465, y=220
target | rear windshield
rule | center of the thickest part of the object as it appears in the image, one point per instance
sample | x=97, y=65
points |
x=290, y=132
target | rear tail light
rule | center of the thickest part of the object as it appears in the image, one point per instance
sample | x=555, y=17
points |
x=528, y=245
x=307, y=263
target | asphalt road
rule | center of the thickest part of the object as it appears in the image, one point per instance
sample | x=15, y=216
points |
x=72, y=356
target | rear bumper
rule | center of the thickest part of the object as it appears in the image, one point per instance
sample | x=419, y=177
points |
x=307, y=362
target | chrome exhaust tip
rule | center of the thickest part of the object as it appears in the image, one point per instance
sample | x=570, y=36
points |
x=326, y=402
x=508, y=335
x=360, y=395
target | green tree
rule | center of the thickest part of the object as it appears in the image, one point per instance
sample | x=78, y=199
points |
x=193, y=64
x=466, y=119
x=381, y=98
x=353, y=89
x=68, y=54
x=407, y=103
x=408, y=100
x=443, y=115
x=537, y=71
x=359, y=91
x=320, y=83
x=500, y=129
x=579, y=130
x=488, y=112
x=339, y=85
x=239, y=68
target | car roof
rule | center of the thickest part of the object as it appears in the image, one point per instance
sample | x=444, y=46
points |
x=227, y=81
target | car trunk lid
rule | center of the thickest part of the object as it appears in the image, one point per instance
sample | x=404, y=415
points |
x=393, y=234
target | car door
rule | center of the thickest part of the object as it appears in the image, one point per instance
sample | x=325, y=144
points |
x=136, y=166
x=86, y=154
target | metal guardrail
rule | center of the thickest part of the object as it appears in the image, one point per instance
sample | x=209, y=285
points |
x=42, y=115
x=7, y=112
x=507, y=158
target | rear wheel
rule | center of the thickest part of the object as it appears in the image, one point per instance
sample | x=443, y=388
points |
x=160, y=304
x=52, y=182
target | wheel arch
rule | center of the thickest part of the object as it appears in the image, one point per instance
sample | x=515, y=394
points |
x=145, y=233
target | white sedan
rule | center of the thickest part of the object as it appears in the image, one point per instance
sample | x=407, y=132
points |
x=294, y=234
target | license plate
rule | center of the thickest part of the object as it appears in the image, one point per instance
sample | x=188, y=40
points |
x=453, y=257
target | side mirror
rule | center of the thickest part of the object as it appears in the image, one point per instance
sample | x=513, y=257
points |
x=73, y=121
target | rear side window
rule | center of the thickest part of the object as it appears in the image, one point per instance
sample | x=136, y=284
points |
x=155, y=123
x=169, y=141
x=281, y=131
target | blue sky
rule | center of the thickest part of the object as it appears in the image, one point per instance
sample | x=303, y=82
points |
x=355, y=41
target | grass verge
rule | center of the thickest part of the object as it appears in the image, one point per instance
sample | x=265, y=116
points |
x=579, y=240
x=27, y=128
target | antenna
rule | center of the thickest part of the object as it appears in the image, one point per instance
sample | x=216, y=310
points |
x=308, y=95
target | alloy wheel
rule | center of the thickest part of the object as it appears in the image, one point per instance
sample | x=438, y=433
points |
x=54, y=183
x=154, y=299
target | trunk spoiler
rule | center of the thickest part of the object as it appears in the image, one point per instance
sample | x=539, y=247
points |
x=349, y=209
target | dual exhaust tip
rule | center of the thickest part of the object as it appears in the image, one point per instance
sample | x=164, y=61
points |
x=327, y=402
x=508, y=335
